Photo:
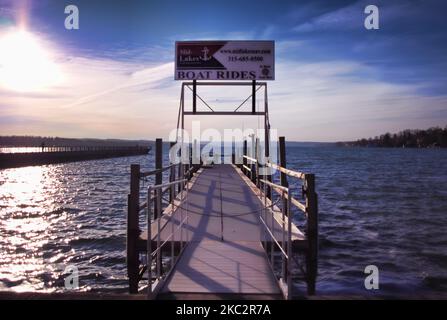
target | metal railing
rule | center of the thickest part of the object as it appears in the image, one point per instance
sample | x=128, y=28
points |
x=140, y=203
x=177, y=220
x=285, y=243
x=251, y=168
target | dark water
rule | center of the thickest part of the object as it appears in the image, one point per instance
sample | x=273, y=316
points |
x=386, y=207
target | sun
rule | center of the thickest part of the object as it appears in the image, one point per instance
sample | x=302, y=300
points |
x=25, y=64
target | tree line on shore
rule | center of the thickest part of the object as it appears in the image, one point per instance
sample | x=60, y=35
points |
x=435, y=137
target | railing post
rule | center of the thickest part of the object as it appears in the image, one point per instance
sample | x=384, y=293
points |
x=158, y=166
x=133, y=231
x=312, y=232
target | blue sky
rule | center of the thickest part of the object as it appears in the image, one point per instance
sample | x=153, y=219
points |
x=335, y=79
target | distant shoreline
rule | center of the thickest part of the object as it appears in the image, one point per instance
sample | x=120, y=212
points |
x=431, y=138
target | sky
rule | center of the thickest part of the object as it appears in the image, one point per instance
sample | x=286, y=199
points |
x=114, y=77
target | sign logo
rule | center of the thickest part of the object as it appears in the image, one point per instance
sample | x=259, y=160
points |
x=205, y=54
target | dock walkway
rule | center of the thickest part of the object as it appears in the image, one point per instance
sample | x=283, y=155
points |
x=224, y=255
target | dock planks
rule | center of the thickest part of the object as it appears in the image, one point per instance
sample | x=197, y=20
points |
x=226, y=267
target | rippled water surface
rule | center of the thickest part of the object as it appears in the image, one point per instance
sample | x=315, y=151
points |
x=386, y=207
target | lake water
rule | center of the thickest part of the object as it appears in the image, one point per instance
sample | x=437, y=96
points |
x=385, y=207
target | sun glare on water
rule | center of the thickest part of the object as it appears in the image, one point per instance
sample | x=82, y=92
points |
x=25, y=64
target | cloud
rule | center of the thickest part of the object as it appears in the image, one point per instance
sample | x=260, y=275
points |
x=344, y=18
x=132, y=94
x=342, y=100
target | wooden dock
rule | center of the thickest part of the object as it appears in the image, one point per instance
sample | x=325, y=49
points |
x=217, y=234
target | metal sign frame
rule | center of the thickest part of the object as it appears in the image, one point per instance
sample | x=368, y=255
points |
x=255, y=86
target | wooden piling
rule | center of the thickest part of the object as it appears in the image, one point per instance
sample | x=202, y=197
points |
x=133, y=230
x=312, y=232
x=158, y=166
x=283, y=163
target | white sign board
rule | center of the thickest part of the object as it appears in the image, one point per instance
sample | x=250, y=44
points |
x=225, y=60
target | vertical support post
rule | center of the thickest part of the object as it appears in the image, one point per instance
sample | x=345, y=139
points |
x=190, y=170
x=266, y=123
x=253, y=97
x=194, y=96
x=158, y=166
x=267, y=141
x=312, y=232
x=253, y=155
x=244, y=160
x=283, y=163
x=133, y=230
x=196, y=155
x=257, y=157
x=172, y=178
x=149, y=244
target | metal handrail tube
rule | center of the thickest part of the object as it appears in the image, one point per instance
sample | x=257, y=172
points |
x=279, y=187
x=249, y=158
x=169, y=237
x=149, y=173
x=294, y=201
x=291, y=173
x=273, y=237
x=168, y=184
x=144, y=204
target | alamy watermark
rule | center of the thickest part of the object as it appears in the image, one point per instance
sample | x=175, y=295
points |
x=372, y=280
x=68, y=275
x=372, y=18
x=72, y=20
x=210, y=146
